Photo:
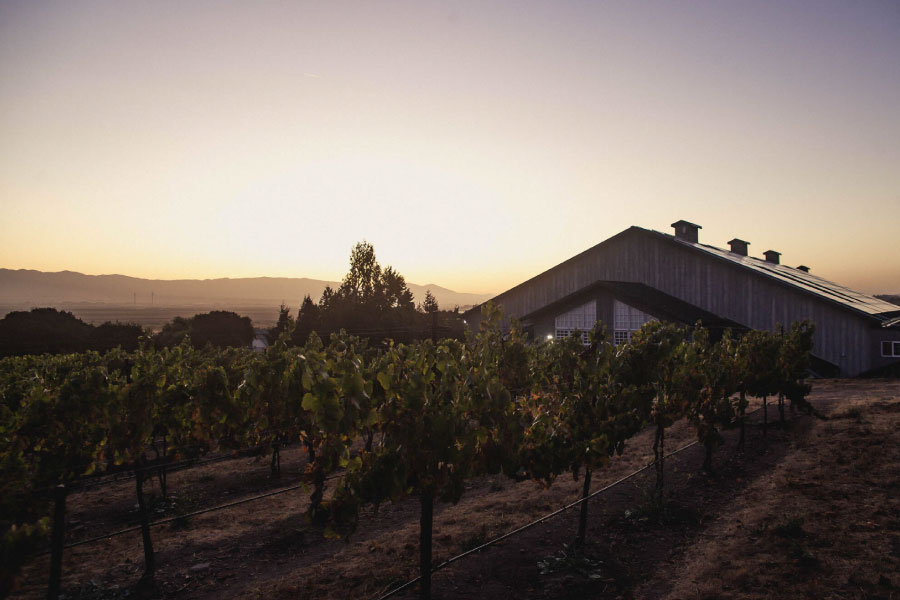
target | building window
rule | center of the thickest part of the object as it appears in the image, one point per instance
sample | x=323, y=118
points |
x=564, y=333
x=890, y=349
x=582, y=318
x=627, y=320
x=621, y=337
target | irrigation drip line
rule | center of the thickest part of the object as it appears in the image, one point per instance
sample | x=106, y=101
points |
x=541, y=520
x=191, y=514
x=337, y=475
x=184, y=516
x=527, y=526
x=171, y=467
x=94, y=476
x=102, y=479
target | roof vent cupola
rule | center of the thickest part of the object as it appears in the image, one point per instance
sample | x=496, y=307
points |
x=803, y=268
x=739, y=246
x=686, y=231
x=772, y=257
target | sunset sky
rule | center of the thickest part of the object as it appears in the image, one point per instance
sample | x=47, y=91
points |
x=475, y=144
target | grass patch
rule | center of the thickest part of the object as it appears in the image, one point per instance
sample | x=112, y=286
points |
x=172, y=506
x=571, y=562
x=853, y=413
x=661, y=511
x=804, y=558
x=791, y=529
x=180, y=523
x=798, y=550
x=94, y=591
x=475, y=540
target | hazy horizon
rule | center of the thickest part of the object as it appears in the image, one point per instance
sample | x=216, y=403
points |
x=476, y=145
x=335, y=280
x=28, y=289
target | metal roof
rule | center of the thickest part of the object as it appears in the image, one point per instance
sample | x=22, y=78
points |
x=885, y=313
x=803, y=280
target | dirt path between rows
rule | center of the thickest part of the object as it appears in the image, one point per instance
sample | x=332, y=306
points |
x=811, y=509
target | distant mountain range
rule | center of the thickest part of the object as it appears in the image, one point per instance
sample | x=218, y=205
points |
x=24, y=287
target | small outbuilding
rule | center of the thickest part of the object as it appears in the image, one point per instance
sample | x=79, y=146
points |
x=260, y=340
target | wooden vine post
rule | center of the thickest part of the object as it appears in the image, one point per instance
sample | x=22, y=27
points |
x=58, y=538
x=149, y=562
x=426, y=518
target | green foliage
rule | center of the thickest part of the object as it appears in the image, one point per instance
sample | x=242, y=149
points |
x=583, y=408
x=337, y=403
x=660, y=363
x=429, y=442
x=17, y=544
x=793, y=363
x=758, y=352
x=499, y=375
x=430, y=415
x=717, y=372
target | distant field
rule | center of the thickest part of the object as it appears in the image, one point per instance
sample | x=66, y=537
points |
x=153, y=316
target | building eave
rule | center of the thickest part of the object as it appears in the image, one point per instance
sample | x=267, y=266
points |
x=498, y=298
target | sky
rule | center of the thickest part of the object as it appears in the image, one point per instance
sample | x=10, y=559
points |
x=474, y=144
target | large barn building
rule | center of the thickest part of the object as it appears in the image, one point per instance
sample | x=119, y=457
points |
x=640, y=274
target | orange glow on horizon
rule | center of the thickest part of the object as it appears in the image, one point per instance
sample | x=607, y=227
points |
x=474, y=146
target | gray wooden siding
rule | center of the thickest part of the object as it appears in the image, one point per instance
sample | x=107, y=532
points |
x=720, y=287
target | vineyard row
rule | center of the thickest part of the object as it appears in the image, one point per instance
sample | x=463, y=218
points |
x=423, y=418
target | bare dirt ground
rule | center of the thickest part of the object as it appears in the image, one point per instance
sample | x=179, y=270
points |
x=811, y=509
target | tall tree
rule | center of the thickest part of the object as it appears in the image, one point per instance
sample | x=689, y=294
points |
x=429, y=305
x=326, y=300
x=395, y=292
x=284, y=325
x=362, y=282
x=43, y=330
x=371, y=302
x=219, y=328
x=307, y=321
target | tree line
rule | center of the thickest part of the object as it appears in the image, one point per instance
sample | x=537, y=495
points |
x=52, y=331
x=372, y=302
x=48, y=330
